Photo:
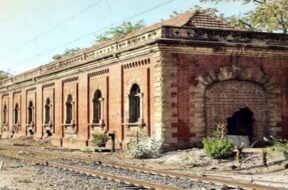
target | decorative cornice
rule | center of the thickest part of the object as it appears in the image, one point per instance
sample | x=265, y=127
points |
x=136, y=64
x=31, y=89
x=162, y=33
x=16, y=92
x=70, y=79
x=48, y=85
x=6, y=94
x=100, y=72
x=225, y=36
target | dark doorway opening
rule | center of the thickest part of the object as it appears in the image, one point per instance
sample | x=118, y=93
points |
x=49, y=133
x=97, y=106
x=241, y=123
x=69, y=113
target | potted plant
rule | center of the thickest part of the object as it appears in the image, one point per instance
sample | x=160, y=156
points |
x=100, y=139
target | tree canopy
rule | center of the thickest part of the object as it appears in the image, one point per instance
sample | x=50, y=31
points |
x=113, y=33
x=268, y=15
x=4, y=74
x=119, y=31
x=70, y=51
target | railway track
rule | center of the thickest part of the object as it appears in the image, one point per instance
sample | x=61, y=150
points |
x=224, y=182
x=120, y=179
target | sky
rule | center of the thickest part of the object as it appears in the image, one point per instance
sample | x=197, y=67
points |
x=32, y=31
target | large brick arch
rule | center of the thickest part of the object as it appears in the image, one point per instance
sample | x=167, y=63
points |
x=249, y=81
x=223, y=99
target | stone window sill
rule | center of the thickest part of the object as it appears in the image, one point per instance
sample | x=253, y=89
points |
x=134, y=124
x=30, y=125
x=69, y=125
x=47, y=125
x=96, y=125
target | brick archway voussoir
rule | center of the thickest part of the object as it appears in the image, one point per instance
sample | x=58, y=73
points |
x=197, y=98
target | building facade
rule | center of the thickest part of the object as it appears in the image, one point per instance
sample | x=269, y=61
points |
x=177, y=78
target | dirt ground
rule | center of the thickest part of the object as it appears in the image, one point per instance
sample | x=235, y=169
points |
x=20, y=176
x=193, y=161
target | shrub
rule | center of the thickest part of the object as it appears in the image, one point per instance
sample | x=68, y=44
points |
x=99, y=139
x=280, y=146
x=142, y=147
x=218, y=146
x=188, y=160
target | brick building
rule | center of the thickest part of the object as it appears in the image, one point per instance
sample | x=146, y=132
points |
x=177, y=78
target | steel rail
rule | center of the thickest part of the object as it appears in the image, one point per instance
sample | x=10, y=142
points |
x=201, y=178
x=101, y=175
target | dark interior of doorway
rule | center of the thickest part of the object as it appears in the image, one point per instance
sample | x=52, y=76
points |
x=241, y=123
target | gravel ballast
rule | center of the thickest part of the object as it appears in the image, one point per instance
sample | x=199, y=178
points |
x=181, y=183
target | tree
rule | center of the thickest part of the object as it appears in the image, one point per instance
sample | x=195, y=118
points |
x=5, y=74
x=71, y=51
x=119, y=31
x=268, y=16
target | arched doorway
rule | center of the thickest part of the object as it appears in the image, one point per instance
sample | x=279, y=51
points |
x=239, y=104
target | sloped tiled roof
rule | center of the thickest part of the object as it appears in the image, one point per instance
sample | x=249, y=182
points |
x=194, y=19
x=206, y=20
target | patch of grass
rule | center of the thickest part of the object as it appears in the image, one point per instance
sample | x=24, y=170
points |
x=24, y=180
x=279, y=146
x=188, y=160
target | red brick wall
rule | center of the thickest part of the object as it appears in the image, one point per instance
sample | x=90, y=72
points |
x=193, y=64
x=115, y=82
x=170, y=81
x=223, y=99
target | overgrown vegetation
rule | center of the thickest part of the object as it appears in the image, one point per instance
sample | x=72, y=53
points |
x=99, y=139
x=113, y=33
x=267, y=15
x=4, y=74
x=142, y=146
x=279, y=146
x=71, y=51
x=119, y=31
x=218, y=146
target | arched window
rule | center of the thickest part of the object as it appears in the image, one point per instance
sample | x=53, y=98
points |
x=97, y=106
x=47, y=111
x=5, y=114
x=69, y=109
x=134, y=103
x=30, y=112
x=16, y=114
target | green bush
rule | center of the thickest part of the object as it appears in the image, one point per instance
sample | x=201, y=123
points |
x=99, y=139
x=142, y=147
x=218, y=146
x=279, y=146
